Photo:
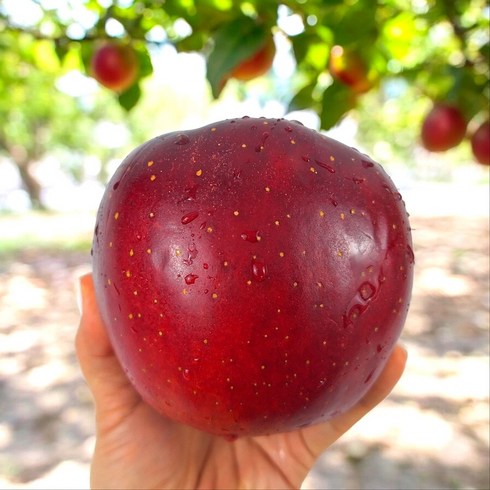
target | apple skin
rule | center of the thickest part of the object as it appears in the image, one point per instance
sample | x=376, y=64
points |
x=480, y=143
x=258, y=64
x=253, y=274
x=349, y=68
x=115, y=66
x=443, y=128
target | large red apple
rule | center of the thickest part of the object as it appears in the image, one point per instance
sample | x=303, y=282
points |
x=254, y=275
x=115, y=66
x=348, y=67
x=258, y=64
x=443, y=128
x=480, y=143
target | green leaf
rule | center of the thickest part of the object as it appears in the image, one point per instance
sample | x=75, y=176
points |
x=233, y=43
x=86, y=54
x=300, y=45
x=194, y=42
x=130, y=97
x=61, y=47
x=45, y=57
x=144, y=60
x=303, y=99
x=357, y=24
x=338, y=100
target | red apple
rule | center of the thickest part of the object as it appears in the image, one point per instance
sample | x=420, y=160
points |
x=115, y=66
x=258, y=64
x=348, y=67
x=443, y=128
x=253, y=274
x=480, y=143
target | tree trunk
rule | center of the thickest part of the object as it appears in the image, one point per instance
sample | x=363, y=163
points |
x=24, y=162
x=32, y=186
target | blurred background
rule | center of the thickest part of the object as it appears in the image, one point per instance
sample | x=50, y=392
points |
x=82, y=82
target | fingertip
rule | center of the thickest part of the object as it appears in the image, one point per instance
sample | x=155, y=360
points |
x=399, y=359
x=85, y=288
x=91, y=330
x=80, y=290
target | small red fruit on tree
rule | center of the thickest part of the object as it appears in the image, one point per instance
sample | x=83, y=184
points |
x=253, y=274
x=115, y=66
x=348, y=67
x=480, y=143
x=443, y=128
x=258, y=64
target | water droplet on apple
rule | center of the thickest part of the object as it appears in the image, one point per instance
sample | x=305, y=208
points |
x=116, y=185
x=379, y=348
x=190, y=192
x=205, y=266
x=367, y=163
x=397, y=196
x=191, y=254
x=358, y=180
x=186, y=374
x=367, y=291
x=352, y=315
x=259, y=270
x=288, y=129
x=189, y=217
x=411, y=255
x=182, y=139
x=260, y=147
x=190, y=278
x=251, y=236
x=326, y=166
x=369, y=376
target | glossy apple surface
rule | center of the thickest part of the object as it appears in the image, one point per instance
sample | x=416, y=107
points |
x=115, y=66
x=443, y=128
x=253, y=274
x=480, y=143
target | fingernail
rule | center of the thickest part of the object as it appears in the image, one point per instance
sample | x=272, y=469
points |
x=78, y=294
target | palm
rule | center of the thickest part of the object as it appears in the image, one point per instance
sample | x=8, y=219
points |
x=171, y=455
x=138, y=448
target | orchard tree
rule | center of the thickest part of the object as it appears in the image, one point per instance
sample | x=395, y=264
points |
x=37, y=119
x=343, y=51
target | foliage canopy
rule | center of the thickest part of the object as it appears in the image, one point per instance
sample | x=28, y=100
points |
x=441, y=47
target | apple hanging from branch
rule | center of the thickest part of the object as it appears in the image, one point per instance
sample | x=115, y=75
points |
x=253, y=274
x=256, y=65
x=443, y=128
x=347, y=66
x=480, y=143
x=115, y=66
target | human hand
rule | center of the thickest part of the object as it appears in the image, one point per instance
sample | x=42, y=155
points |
x=136, y=447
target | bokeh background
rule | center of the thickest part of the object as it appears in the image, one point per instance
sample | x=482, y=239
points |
x=62, y=135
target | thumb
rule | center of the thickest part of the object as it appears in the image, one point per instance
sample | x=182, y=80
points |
x=106, y=380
